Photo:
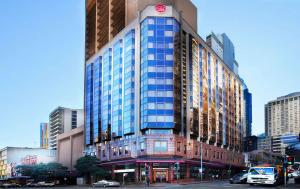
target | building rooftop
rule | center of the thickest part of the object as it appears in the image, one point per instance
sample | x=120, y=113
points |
x=289, y=95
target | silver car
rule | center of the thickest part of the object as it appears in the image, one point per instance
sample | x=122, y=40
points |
x=106, y=183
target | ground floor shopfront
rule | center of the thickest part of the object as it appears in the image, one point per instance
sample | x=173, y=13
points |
x=159, y=170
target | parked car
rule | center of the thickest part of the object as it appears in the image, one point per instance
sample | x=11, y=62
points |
x=45, y=184
x=10, y=185
x=106, y=183
x=239, y=178
x=32, y=184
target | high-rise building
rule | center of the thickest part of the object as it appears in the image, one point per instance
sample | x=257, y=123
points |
x=44, y=135
x=156, y=94
x=263, y=143
x=248, y=111
x=62, y=120
x=282, y=116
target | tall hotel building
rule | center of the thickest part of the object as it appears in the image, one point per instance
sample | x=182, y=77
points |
x=156, y=94
x=282, y=121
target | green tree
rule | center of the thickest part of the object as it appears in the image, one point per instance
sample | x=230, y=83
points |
x=39, y=172
x=88, y=167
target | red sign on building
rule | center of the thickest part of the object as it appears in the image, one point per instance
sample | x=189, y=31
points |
x=160, y=8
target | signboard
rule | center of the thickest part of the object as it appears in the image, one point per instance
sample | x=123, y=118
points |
x=161, y=8
x=124, y=171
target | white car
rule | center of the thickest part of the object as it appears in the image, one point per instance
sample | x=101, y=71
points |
x=106, y=183
x=46, y=184
x=263, y=175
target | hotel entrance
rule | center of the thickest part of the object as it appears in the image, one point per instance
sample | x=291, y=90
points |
x=160, y=175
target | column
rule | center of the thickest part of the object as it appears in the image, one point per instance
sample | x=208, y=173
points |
x=187, y=173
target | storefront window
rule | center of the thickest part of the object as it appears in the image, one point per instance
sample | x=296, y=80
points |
x=126, y=149
x=142, y=144
x=160, y=146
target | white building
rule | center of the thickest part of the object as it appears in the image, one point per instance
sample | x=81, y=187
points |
x=10, y=157
x=63, y=120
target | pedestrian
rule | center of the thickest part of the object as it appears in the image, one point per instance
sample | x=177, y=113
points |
x=148, y=181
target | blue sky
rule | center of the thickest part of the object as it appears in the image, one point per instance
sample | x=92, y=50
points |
x=42, y=55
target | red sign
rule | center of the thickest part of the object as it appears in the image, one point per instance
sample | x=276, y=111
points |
x=160, y=8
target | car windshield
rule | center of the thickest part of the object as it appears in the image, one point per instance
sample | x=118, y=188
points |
x=261, y=171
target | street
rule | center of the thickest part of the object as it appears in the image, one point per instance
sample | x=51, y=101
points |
x=215, y=184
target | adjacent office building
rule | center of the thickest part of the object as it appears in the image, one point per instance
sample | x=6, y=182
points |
x=11, y=157
x=282, y=121
x=157, y=94
x=62, y=120
x=44, y=135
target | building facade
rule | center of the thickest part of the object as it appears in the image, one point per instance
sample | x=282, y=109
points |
x=282, y=116
x=10, y=157
x=280, y=142
x=44, y=135
x=70, y=147
x=156, y=94
x=63, y=120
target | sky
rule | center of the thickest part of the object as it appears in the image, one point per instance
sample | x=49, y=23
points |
x=42, y=56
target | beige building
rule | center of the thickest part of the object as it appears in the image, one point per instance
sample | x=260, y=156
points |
x=282, y=116
x=70, y=146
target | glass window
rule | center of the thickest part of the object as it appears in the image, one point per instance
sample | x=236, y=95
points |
x=178, y=146
x=150, y=56
x=142, y=145
x=160, y=146
x=114, y=151
x=150, y=33
x=151, y=106
x=170, y=45
x=169, y=21
x=150, y=45
x=169, y=118
x=150, y=21
x=120, y=150
x=168, y=33
x=126, y=149
x=184, y=149
x=169, y=57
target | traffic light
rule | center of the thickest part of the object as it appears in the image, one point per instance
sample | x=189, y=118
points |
x=290, y=160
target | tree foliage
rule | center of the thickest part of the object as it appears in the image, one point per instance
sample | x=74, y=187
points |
x=50, y=171
x=88, y=166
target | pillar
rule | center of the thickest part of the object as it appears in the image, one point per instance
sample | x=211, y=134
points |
x=113, y=174
x=137, y=173
x=187, y=173
x=151, y=172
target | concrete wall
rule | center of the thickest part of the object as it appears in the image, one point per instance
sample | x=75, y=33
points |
x=70, y=147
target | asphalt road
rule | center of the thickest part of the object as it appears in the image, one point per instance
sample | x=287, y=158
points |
x=206, y=185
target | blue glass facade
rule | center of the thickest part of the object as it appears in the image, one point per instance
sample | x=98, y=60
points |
x=117, y=89
x=97, y=84
x=157, y=64
x=88, y=103
x=129, y=74
x=106, y=95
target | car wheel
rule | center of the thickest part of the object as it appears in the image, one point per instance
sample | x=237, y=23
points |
x=104, y=185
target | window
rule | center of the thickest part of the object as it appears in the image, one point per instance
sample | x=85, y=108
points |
x=120, y=150
x=169, y=57
x=160, y=146
x=150, y=45
x=142, y=145
x=169, y=21
x=114, y=151
x=184, y=150
x=150, y=56
x=168, y=33
x=150, y=21
x=196, y=150
x=126, y=149
x=178, y=146
x=103, y=153
x=150, y=33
